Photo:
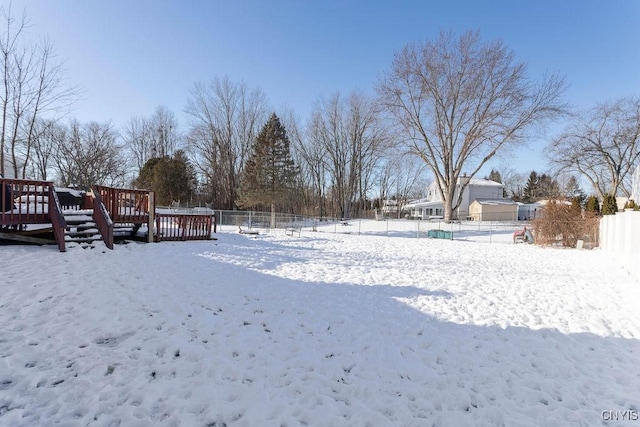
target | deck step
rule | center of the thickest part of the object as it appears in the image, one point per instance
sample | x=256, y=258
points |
x=88, y=239
x=81, y=228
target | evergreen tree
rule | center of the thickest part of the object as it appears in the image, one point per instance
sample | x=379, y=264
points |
x=547, y=187
x=170, y=178
x=592, y=205
x=609, y=205
x=495, y=176
x=270, y=175
x=572, y=189
x=531, y=189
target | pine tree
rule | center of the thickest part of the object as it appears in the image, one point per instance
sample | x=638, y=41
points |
x=269, y=176
x=547, y=187
x=531, y=189
x=592, y=205
x=495, y=176
x=609, y=205
x=572, y=189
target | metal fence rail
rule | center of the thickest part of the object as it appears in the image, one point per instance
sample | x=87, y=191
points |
x=489, y=231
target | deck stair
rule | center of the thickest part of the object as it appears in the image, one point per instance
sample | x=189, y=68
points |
x=81, y=228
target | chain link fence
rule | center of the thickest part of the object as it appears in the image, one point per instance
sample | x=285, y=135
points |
x=488, y=231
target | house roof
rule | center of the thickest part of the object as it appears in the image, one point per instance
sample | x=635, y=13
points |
x=481, y=182
x=495, y=202
x=423, y=204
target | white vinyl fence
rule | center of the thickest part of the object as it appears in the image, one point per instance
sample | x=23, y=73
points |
x=620, y=236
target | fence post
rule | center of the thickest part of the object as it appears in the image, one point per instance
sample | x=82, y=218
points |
x=152, y=213
x=490, y=232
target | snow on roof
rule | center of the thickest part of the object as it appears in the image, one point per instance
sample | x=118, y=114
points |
x=495, y=201
x=481, y=182
x=423, y=203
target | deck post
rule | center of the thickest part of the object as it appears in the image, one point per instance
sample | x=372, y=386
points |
x=152, y=220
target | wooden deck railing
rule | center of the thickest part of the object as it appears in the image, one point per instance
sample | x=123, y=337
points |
x=36, y=202
x=178, y=226
x=58, y=223
x=24, y=201
x=102, y=220
x=125, y=205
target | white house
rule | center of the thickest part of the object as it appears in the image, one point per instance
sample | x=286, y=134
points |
x=477, y=188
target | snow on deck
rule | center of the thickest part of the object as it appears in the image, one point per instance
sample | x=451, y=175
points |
x=326, y=329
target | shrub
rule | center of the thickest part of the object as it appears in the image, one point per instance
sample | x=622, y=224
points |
x=631, y=204
x=593, y=205
x=562, y=224
x=609, y=204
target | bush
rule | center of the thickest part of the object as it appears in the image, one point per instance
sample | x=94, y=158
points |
x=631, y=205
x=593, y=205
x=563, y=224
x=609, y=204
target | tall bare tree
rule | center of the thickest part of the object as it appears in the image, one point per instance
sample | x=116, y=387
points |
x=90, y=155
x=350, y=134
x=139, y=139
x=49, y=136
x=31, y=87
x=459, y=100
x=150, y=137
x=225, y=118
x=602, y=145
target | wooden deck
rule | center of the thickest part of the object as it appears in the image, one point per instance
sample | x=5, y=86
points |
x=25, y=202
x=36, y=202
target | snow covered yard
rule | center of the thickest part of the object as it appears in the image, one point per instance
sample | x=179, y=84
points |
x=324, y=329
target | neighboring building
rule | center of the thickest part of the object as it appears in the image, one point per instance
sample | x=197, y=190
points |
x=529, y=211
x=477, y=189
x=390, y=207
x=493, y=210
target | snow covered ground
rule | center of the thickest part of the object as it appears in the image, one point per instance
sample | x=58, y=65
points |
x=325, y=329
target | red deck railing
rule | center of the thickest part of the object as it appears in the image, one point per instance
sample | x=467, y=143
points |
x=179, y=226
x=102, y=220
x=125, y=205
x=24, y=201
x=36, y=202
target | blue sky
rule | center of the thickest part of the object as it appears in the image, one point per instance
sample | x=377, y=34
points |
x=129, y=56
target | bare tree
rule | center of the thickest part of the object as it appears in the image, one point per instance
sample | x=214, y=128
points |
x=602, y=145
x=514, y=182
x=139, y=139
x=155, y=136
x=402, y=178
x=31, y=86
x=90, y=155
x=165, y=126
x=225, y=118
x=48, y=137
x=349, y=137
x=458, y=101
x=310, y=157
